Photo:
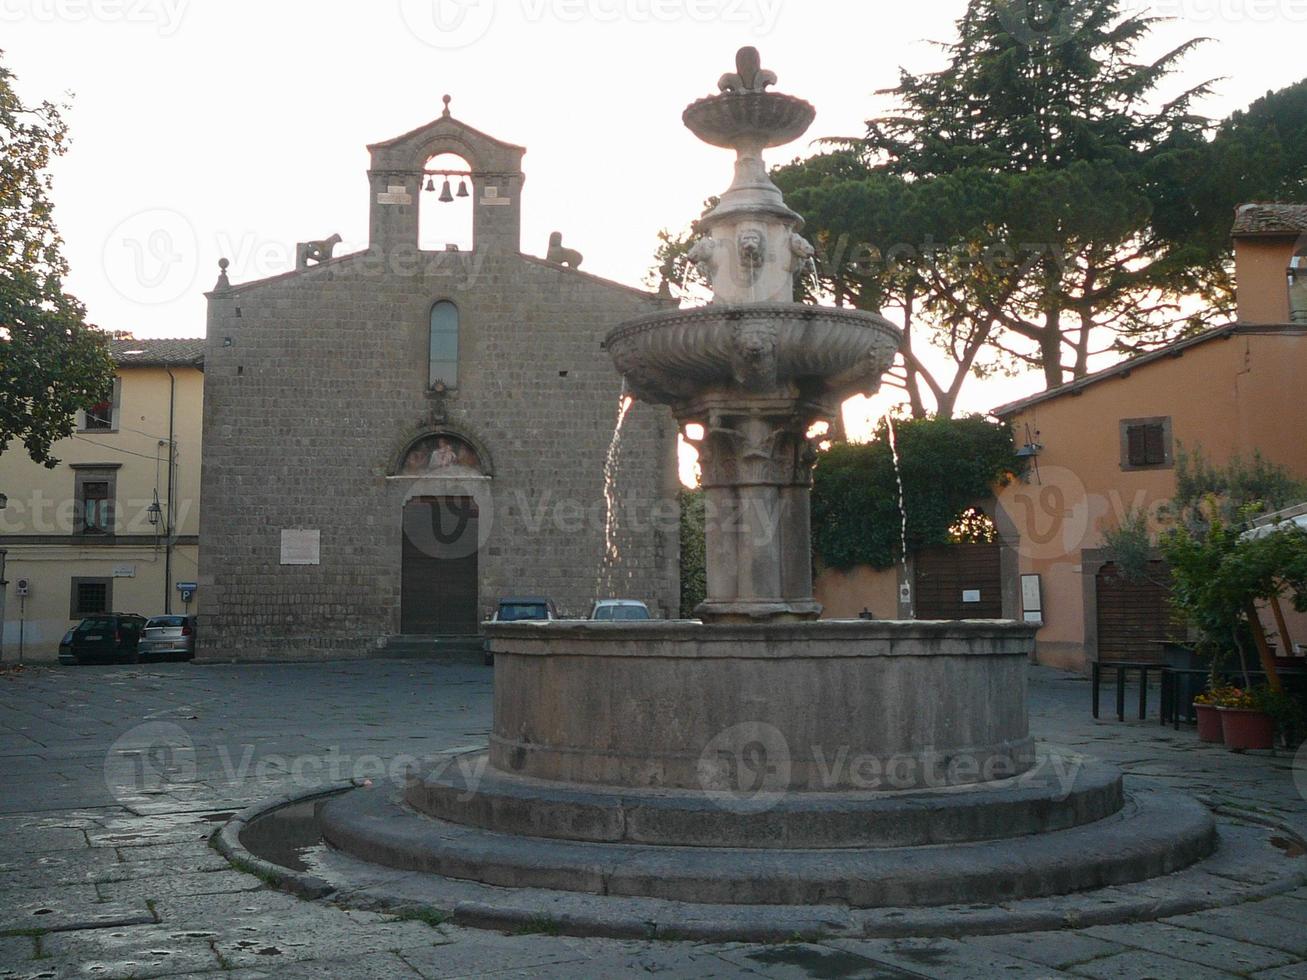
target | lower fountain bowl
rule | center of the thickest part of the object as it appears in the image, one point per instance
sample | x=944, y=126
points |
x=675, y=355
x=752, y=711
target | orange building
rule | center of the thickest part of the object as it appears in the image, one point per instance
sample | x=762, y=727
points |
x=1106, y=445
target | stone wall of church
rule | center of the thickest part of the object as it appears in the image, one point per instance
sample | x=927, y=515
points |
x=316, y=382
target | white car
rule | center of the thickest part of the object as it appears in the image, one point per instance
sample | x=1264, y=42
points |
x=612, y=610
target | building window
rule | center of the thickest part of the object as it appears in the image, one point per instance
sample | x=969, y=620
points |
x=94, y=499
x=104, y=416
x=1146, y=443
x=90, y=596
x=444, y=345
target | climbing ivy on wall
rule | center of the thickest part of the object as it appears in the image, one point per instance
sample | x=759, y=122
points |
x=947, y=466
x=693, y=569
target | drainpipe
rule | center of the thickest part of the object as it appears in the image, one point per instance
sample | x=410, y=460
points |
x=167, y=526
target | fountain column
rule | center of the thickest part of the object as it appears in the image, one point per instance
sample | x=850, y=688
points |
x=756, y=463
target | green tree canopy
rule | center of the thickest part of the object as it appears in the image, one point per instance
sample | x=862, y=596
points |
x=1041, y=139
x=51, y=362
x=947, y=466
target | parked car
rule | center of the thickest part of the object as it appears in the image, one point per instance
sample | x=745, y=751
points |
x=66, y=648
x=619, y=609
x=519, y=609
x=105, y=637
x=168, y=638
x=524, y=608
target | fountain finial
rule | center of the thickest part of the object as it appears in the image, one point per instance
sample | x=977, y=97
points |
x=749, y=75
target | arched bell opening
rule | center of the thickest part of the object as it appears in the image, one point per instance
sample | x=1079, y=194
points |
x=445, y=209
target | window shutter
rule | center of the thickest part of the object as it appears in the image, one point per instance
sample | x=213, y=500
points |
x=1136, y=449
x=1154, y=444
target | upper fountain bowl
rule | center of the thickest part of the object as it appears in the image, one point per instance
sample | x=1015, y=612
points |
x=734, y=118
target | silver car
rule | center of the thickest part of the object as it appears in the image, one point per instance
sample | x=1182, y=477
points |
x=619, y=609
x=168, y=638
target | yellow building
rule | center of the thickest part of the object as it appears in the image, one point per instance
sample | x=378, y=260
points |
x=113, y=527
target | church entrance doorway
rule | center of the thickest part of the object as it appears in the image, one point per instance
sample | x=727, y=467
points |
x=438, y=594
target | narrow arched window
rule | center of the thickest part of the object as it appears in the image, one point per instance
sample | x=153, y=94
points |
x=444, y=345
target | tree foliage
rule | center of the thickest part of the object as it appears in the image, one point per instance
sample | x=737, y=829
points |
x=694, y=569
x=51, y=362
x=947, y=466
x=1054, y=140
x=1232, y=492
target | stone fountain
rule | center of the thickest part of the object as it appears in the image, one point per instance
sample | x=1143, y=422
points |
x=759, y=756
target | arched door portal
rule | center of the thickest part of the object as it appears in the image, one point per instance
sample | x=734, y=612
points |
x=439, y=587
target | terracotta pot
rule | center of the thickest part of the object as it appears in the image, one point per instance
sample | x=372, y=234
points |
x=1209, y=723
x=1244, y=728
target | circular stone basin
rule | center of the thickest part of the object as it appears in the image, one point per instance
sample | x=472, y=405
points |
x=727, y=120
x=750, y=711
x=675, y=355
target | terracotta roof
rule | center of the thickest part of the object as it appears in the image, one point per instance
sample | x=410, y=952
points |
x=1125, y=368
x=158, y=352
x=1269, y=219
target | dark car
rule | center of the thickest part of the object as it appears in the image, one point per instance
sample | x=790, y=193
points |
x=168, y=638
x=106, y=637
x=519, y=609
x=66, y=648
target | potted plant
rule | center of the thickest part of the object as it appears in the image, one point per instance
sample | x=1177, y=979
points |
x=1245, y=724
x=1207, y=707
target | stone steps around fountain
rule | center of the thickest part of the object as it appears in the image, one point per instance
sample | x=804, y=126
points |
x=1157, y=832
x=1058, y=793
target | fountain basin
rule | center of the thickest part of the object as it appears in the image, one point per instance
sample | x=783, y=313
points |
x=672, y=357
x=767, y=118
x=752, y=711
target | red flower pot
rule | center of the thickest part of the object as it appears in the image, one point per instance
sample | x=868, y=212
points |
x=1244, y=728
x=1209, y=723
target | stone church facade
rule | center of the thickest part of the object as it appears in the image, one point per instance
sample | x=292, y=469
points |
x=395, y=439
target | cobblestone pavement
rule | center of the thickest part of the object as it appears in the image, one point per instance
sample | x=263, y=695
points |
x=105, y=872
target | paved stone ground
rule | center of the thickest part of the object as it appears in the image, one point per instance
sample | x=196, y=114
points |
x=105, y=871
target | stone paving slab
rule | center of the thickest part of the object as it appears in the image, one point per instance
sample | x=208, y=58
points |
x=146, y=951
x=222, y=882
x=1140, y=964
x=1248, y=924
x=947, y=958
x=1295, y=971
x=1062, y=949
x=75, y=842
x=66, y=907
x=1195, y=946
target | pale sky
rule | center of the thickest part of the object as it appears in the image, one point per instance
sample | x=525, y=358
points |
x=236, y=128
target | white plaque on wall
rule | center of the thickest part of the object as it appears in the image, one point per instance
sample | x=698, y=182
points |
x=1031, y=599
x=970, y=595
x=124, y=571
x=301, y=547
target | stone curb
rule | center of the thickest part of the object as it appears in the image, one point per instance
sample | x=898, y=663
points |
x=226, y=841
